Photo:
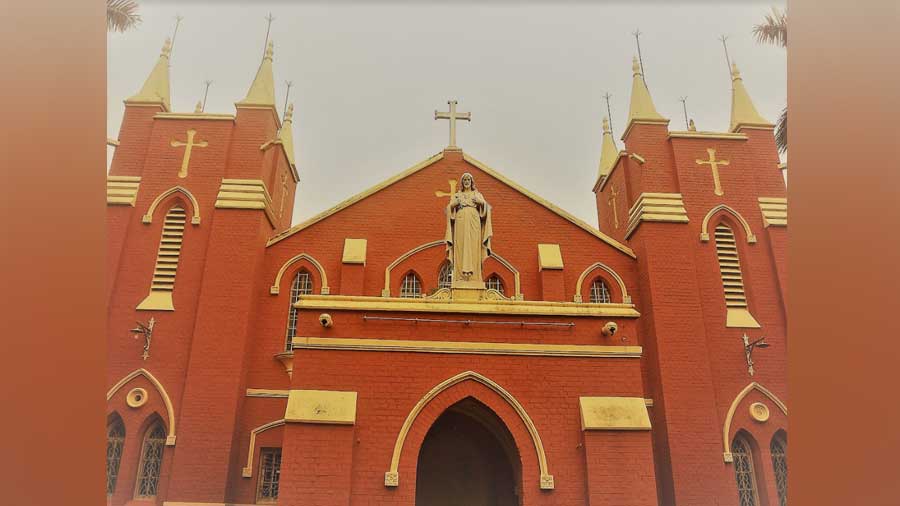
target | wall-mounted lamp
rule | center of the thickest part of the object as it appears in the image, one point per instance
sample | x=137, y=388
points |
x=748, y=349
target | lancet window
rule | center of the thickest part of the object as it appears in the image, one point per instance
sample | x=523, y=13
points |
x=115, y=440
x=600, y=292
x=494, y=282
x=445, y=275
x=151, y=461
x=779, y=464
x=269, y=474
x=744, y=472
x=302, y=285
x=411, y=287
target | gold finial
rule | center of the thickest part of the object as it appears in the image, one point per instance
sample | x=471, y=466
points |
x=156, y=87
x=743, y=112
x=199, y=107
x=606, y=125
x=691, y=126
x=635, y=66
x=289, y=113
x=167, y=48
x=270, y=50
x=608, y=151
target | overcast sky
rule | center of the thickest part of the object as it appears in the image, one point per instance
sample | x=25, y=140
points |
x=367, y=79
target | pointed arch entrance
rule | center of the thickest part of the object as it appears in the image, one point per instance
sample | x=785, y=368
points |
x=468, y=457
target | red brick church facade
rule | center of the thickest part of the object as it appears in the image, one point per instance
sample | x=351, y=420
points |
x=336, y=362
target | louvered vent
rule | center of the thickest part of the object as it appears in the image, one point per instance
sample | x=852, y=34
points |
x=732, y=281
x=163, y=283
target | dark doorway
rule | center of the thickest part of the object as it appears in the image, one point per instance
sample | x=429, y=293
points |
x=468, y=458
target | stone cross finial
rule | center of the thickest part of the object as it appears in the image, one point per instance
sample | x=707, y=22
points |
x=452, y=115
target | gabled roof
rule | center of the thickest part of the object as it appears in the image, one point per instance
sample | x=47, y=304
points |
x=430, y=161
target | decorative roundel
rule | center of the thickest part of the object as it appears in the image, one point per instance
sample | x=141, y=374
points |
x=136, y=398
x=759, y=411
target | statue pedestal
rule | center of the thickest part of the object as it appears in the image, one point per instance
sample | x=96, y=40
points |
x=467, y=290
x=466, y=294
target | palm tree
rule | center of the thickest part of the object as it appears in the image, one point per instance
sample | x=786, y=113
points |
x=774, y=31
x=121, y=15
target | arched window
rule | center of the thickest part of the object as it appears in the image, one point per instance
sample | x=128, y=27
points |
x=732, y=280
x=411, y=286
x=115, y=439
x=495, y=283
x=151, y=461
x=445, y=276
x=269, y=474
x=163, y=283
x=744, y=472
x=302, y=285
x=600, y=292
x=779, y=464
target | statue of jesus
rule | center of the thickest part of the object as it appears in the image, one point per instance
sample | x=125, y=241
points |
x=468, y=234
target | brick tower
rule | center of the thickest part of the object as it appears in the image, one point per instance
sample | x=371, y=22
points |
x=705, y=213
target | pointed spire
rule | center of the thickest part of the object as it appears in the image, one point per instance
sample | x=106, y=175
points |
x=286, y=135
x=743, y=112
x=641, y=107
x=609, y=153
x=156, y=87
x=262, y=91
x=198, y=108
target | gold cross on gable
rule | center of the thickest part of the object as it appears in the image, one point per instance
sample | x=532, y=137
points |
x=188, y=144
x=284, y=190
x=439, y=193
x=714, y=164
x=452, y=115
x=611, y=202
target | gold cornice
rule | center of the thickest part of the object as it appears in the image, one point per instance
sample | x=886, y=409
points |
x=662, y=207
x=507, y=307
x=267, y=393
x=466, y=348
x=552, y=207
x=774, y=211
x=122, y=190
x=194, y=115
x=245, y=194
x=354, y=199
x=633, y=122
x=691, y=134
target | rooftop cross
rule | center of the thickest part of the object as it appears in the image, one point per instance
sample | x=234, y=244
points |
x=452, y=115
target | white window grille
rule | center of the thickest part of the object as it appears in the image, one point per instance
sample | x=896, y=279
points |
x=494, y=282
x=411, y=287
x=151, y=461
x=779, y=464
x=269, y=474
x=600, y=292
x=744, y=472
x=302, y=285
x=445, y=276
x=115, y=439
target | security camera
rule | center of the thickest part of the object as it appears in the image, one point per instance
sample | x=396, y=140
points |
x=325, y=320
x=610, y=329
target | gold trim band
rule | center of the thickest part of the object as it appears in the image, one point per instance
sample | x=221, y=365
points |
x=662, y=207
x=682, y=134
x=468, y=348
x=267, y=393
x=122, y=190
x=774, y=211
x=506, y=307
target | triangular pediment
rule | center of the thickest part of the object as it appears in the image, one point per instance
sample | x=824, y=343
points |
x=431, y=161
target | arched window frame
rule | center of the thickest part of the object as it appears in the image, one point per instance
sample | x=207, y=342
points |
x=411, y=285
x=496, y=282
x=153, y=446
x=445, y=275
x=115, y=443
x=745, y=475
x=732, y=291
x=299, y=287
x=168, y=255
x=778, y=451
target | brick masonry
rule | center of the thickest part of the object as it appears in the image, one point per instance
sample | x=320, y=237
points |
x=227, y=327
